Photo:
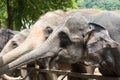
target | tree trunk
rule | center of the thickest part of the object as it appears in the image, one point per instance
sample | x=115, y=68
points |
x=0, y=23
x=9, y=20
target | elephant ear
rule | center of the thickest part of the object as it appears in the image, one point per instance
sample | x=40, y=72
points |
x=98, y=39
x=48, y=30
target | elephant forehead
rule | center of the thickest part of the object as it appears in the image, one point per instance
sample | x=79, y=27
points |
x=36, y=29
x=25, y=32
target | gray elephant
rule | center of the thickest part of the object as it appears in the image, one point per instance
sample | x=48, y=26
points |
x=103, y=52
x=64, y=45
x=10, y=45
x=15, y=41
x=103, y=42
x=103, y=49
x=5, y=36
x=39, y=33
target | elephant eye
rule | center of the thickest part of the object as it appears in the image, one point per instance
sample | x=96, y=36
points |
x=48, y=30
x=90, y=27
x=14, y=44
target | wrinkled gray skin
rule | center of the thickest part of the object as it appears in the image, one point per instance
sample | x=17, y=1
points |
x=65, y=44
x=5, y=36
x=15, y=41
x=111, y=21
x=87, y=13
x=104, y=47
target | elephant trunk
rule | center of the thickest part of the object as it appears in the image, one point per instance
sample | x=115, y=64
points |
x=10, y=56
x=37, y=53
x=52, y=45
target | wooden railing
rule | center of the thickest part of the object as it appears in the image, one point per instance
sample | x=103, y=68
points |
x=78, y=75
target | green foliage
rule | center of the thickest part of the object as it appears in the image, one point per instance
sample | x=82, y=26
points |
x=99, y=4
x=3, y=14
x=26, y=12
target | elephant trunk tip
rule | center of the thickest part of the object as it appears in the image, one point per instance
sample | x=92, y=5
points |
x=4, y=69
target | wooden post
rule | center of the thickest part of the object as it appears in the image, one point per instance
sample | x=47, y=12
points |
x=0, y=23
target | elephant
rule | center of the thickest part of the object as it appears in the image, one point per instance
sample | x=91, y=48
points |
x=67, y=45
x=64, y=45
x=11, y=44
x=15, y=41
x=102, y=46
x=39, y=33
x=110, y=21
x=103, y=49
x=5, y=36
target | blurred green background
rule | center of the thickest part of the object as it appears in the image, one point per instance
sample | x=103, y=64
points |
x=17, y=14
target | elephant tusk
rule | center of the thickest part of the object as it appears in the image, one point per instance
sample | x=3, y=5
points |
x=6, y=77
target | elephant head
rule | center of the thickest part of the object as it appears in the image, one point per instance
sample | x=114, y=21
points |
x=15, y=41
x=38, y=34
x=65, y=44
x=5, y=36
x=103, y=50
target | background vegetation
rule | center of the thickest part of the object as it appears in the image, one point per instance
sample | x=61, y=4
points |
x=17, y=14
